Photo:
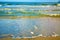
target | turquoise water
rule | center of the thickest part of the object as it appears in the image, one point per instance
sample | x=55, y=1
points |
x=28, y=3
x=27, y=10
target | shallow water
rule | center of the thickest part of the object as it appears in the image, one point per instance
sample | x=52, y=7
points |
x=26, y=27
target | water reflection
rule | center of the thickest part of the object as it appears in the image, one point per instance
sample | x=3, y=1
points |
x=26, y=27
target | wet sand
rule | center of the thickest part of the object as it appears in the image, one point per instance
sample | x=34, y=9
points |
x=38, y=38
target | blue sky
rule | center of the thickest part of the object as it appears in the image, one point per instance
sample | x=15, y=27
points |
x=29, y=0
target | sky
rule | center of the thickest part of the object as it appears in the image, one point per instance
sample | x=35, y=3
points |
x=29, y=0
